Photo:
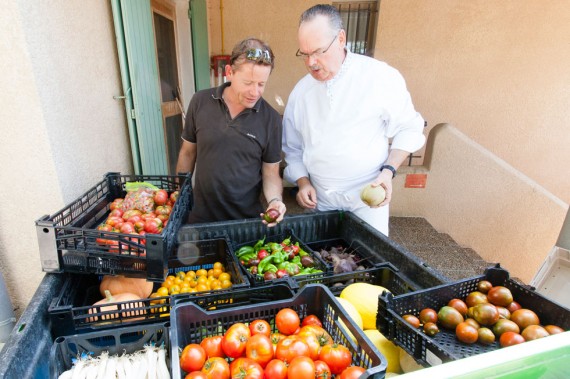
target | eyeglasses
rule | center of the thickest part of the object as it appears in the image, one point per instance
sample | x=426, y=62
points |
x=258, y=55
x=315, y=54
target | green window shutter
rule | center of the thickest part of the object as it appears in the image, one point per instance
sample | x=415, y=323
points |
x=143, y=73
x=199, y=25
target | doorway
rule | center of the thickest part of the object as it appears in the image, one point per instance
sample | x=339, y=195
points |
x=164, y=27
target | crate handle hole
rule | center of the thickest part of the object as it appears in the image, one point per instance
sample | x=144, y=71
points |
x=45, y=230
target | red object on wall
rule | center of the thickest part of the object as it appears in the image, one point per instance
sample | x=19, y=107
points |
x=415, y=181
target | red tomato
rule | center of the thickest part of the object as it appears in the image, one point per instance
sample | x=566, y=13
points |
x=352, y=372
x=287, y=321
x=260, y=327
x=130, y=213
x=196, y=375
x=105, y=228
x=147, y=216
x=275, y=369
x=174, y=196
x=311, y=320
x=113, y=220
x=139, y=226
x=301, y=368
x=116, y=204
x=163, y=218
x=160, y=197
x=337, y=356
x=245, y=368
x=213, y=346
x=163, y=210
x=260, y=349
x=235, y=340
x=127, y=228
x=322, y=370
x=216, y=368
x=134, y=219
x=510, y=338
x=312, y=341
x=323, y=336
x=192, y=358
x=116, y=212
x=153, y=226
x=291, y=347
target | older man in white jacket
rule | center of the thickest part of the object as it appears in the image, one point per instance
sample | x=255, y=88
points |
x=339, y=119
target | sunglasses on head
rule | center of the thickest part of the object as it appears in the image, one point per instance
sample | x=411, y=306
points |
x=258, y=55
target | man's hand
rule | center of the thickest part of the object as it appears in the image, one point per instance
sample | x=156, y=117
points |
x=384, y=179
x=280, y=207
x=307, y=195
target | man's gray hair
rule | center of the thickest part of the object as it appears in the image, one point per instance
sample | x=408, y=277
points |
x=327, y=10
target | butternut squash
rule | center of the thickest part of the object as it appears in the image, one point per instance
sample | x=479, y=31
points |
x=109, y=303
x=120, y=284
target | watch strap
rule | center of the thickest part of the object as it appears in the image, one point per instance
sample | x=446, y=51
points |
x=391, y=168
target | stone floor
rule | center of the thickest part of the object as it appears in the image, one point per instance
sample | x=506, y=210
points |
x=418, y=236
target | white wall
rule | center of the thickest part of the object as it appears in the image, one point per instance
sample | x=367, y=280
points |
x=61, y=128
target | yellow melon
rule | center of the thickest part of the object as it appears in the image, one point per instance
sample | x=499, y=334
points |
x=364, y=297
x=387, y=348
x=352, y=313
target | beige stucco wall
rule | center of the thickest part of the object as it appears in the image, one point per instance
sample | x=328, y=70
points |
x=497, y=70
x=506, y=217
x=62, y=130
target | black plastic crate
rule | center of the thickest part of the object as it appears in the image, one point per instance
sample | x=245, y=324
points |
x=190, y=324
x=444, y=346
x=68, y=239
x=72, y=311
x=319, y=226
x=362, y=256
x=258, y=280
x=116, y=342
x=385, y=275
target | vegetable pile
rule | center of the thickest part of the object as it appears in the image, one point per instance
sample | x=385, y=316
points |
x=486, y=314
x=343, y=259
x=275, y=260
x=144, y=210
x=150, y=362
x=297, y=349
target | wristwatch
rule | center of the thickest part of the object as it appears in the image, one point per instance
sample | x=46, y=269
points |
x=391, y=168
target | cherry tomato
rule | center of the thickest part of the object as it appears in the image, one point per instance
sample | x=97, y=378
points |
x=245, y=368
x=260, y=349
x=261, y=327
x=216, y=368
x=301, y=368
x=213, y=346
x=337, y=356
x=287, y=321
x=276, y=369
x=322, y=370
x=192, y=358
x=311, y=320
x=291, y=347
x=352, y=372
x=235, y=340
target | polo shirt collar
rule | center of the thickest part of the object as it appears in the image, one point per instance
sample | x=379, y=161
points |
x=219, y=91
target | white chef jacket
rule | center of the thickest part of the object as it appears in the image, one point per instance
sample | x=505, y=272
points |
x=337, y=132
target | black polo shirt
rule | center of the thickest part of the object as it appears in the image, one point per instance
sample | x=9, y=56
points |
x=229, y=155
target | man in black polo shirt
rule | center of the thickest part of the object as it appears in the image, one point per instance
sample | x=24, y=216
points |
x=232, y=141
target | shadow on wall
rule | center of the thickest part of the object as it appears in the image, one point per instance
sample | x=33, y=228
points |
x=482, y=202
